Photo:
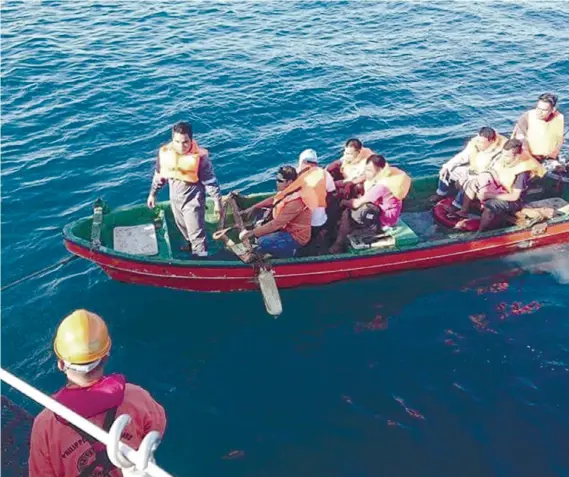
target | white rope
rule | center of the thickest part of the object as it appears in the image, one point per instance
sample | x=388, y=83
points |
x=132, y=456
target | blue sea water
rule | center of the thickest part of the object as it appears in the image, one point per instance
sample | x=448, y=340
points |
x=462, y=370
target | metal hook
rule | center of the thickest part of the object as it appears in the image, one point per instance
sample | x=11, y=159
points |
x=146, y=449
x=115, y=432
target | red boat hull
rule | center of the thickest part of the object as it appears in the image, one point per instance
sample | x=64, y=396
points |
x=236, y=277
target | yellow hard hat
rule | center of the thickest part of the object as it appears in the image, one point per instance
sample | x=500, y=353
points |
x=82, y=338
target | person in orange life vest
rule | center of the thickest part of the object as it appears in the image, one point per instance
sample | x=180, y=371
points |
x=189, y=172
x=475, y=158
x=317, y=184
x=385, y=187
x=289, y=228
x=348, y=171
x=503, y=187
x=320, y=181
x=59, y=449
x=541, y=129
x=322, y=200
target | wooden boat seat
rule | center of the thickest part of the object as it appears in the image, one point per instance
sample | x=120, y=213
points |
x=399, y=236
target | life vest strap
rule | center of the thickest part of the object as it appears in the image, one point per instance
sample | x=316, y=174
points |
x=288, y=194
x=493, y=159
x=291, y=192
x=101, y=457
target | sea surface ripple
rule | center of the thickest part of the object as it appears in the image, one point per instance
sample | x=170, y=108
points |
x=456, y=371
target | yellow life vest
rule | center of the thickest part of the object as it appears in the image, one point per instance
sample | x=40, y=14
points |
x=354, y=168
x=480, y=160
x=396, y=180
x=507, y=174
x=310, y=185
x=183, y=167
x=544, y=137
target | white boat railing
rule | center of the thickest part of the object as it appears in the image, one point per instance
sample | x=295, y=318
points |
x=138, y=463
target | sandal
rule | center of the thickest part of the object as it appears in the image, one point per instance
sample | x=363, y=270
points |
x=435, y=198
x=457, y=215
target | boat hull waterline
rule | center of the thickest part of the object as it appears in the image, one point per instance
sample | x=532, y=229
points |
x=321, y=271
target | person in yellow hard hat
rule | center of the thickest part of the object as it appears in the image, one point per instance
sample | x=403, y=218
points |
x=59, y=449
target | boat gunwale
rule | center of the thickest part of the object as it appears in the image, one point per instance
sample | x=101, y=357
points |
x=348, y=256
x=490, y=246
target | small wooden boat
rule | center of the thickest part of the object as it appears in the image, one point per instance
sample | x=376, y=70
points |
x=139, y=245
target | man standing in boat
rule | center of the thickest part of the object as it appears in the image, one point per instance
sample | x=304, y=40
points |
x=189, y=172
x=59, y=449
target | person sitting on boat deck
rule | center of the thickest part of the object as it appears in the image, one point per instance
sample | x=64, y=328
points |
x=189, y=172
x=59, y=449
x=317, y=187
x=385, y=187
x=475, y=158
x=502, y=188
x=320, y=192
x=348, y=171
x=289, y=228
x=541, y=129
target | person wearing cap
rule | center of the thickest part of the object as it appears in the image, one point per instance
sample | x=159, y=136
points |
x=189, y=172
x=541, y=129
x=319, y=180
x=326, y=211
x=317, y=189
x=289, y=226
x=59, y=449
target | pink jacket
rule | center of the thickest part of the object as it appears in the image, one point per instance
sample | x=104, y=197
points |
x=57, y=450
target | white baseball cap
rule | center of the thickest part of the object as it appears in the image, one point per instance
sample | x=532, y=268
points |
x=308, y=155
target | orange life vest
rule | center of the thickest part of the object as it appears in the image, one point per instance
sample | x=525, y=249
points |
x=279, y=204
x=311, y=185
x=395, y=179
x=352, y=169
x=544, y=137
x=480, y=160
x=183, y=167
x=507, y=174
x=314, y=187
